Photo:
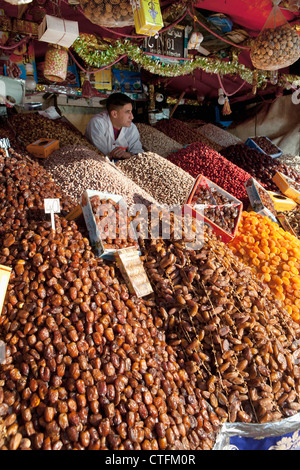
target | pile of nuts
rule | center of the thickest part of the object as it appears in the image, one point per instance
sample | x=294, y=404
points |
x=155, y=141
x=220, y=210
x=293, y=218
x=29, y=127
x=110, y=13
x=266, y=145
x=275, y=48
x=183, y=133
x=166, y=182
x=198, y=158
x=113, y=223
x=219, y=136
x=226, y=328
x=77, y=168
x=266, y=199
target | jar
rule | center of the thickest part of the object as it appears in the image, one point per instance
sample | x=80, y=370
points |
x=56, y=63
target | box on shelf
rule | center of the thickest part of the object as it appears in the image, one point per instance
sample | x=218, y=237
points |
x=42, y=148
x=101, y=80
x=18, y=61
x=147, y=20
x=281, y=202
x=58, y=31
x=250, y=143
x=129, y=262
x=4, y=280
x=127, y=81
x=287, y=186
x=90, y=221
x=260, y=200
x=225, y=235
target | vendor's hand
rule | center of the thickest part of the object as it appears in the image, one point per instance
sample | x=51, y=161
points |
x=120, y=154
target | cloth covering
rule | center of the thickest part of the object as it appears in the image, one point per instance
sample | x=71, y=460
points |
x=100, y=133
x=280, y=121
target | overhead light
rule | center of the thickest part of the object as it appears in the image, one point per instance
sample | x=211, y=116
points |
x=18, y=2
x=221, y=99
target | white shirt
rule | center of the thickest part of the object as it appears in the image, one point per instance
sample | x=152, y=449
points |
x=100, y=133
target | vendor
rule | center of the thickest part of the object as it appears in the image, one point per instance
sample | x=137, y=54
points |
x=113, y=131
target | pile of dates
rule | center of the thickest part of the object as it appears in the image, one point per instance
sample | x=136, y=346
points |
x=220, y=210
x=113, y=223
x=87, y=364
x=226, y=328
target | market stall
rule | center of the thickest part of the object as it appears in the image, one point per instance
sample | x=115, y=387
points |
x=150, y=303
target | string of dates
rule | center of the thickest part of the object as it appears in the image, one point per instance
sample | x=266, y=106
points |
x=227, y=329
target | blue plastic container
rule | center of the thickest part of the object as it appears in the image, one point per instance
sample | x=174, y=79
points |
x=250, y=143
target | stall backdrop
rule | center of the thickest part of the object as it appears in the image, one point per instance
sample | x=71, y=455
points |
x=233, y=71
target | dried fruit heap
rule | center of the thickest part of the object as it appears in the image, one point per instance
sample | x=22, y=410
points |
x=273, y=255
x=226, y=328
x=87, y=364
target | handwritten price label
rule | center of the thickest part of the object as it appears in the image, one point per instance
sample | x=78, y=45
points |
x=52, y=206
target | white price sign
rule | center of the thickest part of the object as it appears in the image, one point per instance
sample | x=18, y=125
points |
x=52, y=206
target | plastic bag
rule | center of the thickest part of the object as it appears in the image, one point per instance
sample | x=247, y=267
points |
x=279, y=435
x=277, y=45
x=109, y=13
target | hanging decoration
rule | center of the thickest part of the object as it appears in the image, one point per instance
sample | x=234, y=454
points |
x=147, y=16
x=226, y=108
x=87, y=49
x=108, y=13
x=56, y=63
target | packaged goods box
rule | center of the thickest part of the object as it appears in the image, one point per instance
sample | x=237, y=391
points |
x=252, y=144
x=260, y=200
x=42, y=148
x=287, y=186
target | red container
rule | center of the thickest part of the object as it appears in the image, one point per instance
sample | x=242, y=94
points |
x=202, y=181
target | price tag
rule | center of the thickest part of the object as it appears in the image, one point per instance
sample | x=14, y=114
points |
x=52, y=206
x=5, y=144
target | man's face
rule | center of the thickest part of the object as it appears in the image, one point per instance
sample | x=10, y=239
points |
x=122, y=117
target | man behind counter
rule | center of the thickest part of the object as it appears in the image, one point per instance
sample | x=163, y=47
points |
x=113, y=131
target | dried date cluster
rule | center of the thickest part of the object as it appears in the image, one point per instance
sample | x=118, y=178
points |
x=113, y=223
x=266, y=145
x=227, y=329
x=87, y=365
x=224, y=212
